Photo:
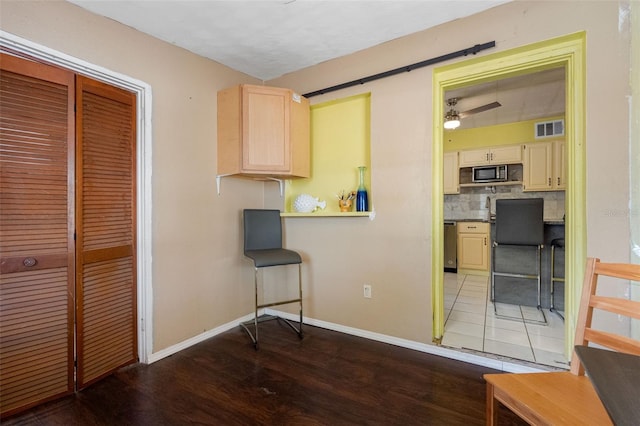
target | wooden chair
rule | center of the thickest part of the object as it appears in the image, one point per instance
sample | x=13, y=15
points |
x=569, y=398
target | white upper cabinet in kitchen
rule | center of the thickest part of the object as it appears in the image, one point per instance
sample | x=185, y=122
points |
x=263, y=131
x=510, y=154
x=451, y=173
x=559, y=165
x=544, y=166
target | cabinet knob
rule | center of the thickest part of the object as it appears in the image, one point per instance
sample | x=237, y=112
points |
x=558, y=181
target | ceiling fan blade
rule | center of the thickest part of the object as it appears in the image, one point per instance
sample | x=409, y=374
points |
x=482, y=108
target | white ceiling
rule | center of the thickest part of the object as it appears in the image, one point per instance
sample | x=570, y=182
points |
x=525, y=97
x=270, y=38
x=267, y=39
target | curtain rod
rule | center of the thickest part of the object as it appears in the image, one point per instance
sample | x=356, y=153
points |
x=464, y=52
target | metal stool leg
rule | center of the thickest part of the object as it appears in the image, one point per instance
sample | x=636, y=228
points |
x=553, y=280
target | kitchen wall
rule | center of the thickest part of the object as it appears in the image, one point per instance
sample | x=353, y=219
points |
x=200, y=279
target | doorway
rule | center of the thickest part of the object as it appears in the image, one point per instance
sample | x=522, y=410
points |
x=567, y=52
x=500, y=117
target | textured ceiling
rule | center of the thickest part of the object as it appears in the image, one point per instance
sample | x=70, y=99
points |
x=267, y=39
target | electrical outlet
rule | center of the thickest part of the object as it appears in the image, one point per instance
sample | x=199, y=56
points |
x=367, y=291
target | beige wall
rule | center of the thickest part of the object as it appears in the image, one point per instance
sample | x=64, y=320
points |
x=393, y=252
x=200, y=279
x=199, y=274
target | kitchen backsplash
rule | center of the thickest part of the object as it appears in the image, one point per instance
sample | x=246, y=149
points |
x=472, y=202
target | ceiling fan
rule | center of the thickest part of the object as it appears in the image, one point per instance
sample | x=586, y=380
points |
x=452, y=117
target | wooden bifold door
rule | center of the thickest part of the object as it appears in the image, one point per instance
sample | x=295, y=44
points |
x=67, y=232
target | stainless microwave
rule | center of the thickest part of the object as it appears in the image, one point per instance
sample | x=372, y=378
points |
x=484, y=174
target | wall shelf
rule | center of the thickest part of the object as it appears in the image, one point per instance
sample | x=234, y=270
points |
x=340, y=138
x=371, y=215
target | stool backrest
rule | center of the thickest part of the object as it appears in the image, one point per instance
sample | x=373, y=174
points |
x=262, y=229
x=520, y=221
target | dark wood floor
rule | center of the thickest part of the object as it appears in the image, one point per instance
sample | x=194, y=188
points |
x=328, y=378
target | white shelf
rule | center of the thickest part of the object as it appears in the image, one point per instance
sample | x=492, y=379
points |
x=371, y=214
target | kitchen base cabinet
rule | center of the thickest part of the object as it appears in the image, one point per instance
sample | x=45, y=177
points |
x=473, y=247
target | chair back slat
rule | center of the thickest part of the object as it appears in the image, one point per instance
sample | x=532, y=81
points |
x=624, y=307
x=619, y=270
x=613, y=341
x=585, y=333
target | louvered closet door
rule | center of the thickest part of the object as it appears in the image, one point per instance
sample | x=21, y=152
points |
x=106, y=245
x=36, y=233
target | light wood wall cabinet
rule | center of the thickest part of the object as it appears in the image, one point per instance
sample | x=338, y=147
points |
x=263, y=132
x=451, y=173
x=473, y=245
x=510, y=154
x=559, y=165
x=544, y=166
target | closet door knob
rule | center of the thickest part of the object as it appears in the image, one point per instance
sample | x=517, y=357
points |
x=29, y=262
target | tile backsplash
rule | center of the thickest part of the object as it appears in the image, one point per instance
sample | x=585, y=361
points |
x=471, y=203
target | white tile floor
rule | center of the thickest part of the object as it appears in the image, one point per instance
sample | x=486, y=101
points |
x=470, y=323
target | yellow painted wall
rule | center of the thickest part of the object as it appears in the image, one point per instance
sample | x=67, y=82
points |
x=503, y=134
x=339, y=145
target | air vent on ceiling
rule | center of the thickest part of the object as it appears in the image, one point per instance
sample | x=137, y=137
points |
x=545, y=129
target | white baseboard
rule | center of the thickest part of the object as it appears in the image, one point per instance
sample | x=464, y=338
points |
x=157, y=356
x=470, y=358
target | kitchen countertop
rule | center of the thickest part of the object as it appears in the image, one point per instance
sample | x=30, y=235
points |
x=547, y=221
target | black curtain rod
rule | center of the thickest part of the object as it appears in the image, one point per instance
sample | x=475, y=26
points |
x=464, y=52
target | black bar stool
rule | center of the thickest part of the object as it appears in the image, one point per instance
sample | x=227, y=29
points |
x=559, y=243
x=519, y=222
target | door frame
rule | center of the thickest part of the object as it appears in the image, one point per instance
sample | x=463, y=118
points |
x=568, y=52
x=142, y=90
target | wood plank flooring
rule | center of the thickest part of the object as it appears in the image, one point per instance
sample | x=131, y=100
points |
x=328, y=378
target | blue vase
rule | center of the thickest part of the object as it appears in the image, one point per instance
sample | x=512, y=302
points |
x=362, y=200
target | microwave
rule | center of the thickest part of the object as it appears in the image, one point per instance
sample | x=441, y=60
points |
x=489, y=174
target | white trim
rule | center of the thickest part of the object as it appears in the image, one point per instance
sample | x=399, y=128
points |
x=496, y=364
x=470, y=358
x=157, y=356
x=143, y=166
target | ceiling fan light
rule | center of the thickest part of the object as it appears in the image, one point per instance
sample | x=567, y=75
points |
x=451, y=120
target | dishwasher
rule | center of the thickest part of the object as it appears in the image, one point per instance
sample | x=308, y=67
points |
x=450, y=247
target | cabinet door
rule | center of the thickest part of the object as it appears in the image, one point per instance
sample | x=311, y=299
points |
x=473, y=251
x=265, y=129
x=537, y=172
x=506, y=154
x=559, y=166
x=451, y=173
x=475, y=157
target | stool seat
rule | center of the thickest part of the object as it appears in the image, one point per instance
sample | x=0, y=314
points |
x=559, y=242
